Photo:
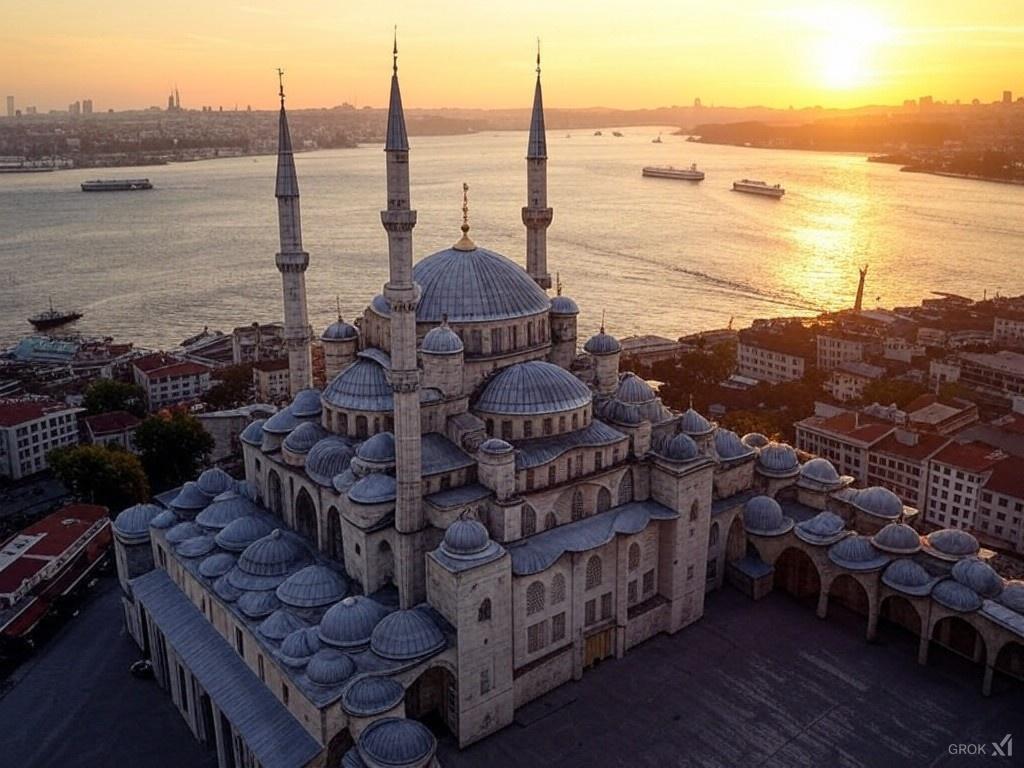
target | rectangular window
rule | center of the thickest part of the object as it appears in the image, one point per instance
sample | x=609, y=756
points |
x=552, y=474
x=529, y=479
x=527, y=428
x=558, y=627
x=285, y=693
x=648, y=582
x=259, y=663
x=535, y=637
x=547, y=426
x=632, y=592
x=506, y=430
x=590, y=612
x=183, y=688
x=598, y=460
x=485, y=681
x=239, y=642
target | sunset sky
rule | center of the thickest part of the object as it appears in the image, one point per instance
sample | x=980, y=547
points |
x=628, y=53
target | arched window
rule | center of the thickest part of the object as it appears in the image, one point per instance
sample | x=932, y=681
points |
x=484, y=611
x=713, y=535
x=634, y=556
x=577, y=506
x=528, y=526
x=335, y=546
x=557, y=589
x=694, y=509
x=552, y=474
x=593, y=572
x=575, y=421
x=604, y=500
x=534, y=598
x=550, y=521
x=490, y=427
x=626, y=487
x=360, y=426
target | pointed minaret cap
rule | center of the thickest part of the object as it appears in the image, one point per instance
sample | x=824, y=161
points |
x=287, y=181
x=396, y=139
x=537, y=146
x=465, y=244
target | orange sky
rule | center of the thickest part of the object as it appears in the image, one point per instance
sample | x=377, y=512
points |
x=638, y=53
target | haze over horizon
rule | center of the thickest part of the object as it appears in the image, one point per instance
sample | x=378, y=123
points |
x=464, y=55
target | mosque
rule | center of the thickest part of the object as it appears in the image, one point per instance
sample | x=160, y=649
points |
x=473, y=512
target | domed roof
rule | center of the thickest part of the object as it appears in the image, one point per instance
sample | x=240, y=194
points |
x=304, y=437
x=280, y=624
x=379, y=449
x=898, y=538
x=692, y=423
x=441, y=340
x=238, y=535
x=534, y=387
x=955, y=596
x=306, y=404
x=350, y=623
x=857, y=553
x=979, y=576
x=190, y=498
x=633, y=389
x=755, y=440
x=256, y=605
x=297, y=648
x=1013, y=596
x=619, y=412
x=376, y=488
x=267, y=562
x=763, y=516
x=329, y=666
x=475, y=286
x=217, y=564
x=197, y=546
x=778, y=460
x=878, y=501
x=215, y=481
x=182, y=531
x=680, y=448
x=362, y=386
x=253, y=434
x=563, y=305
x=951, y=544
x=729, y=446
x=602, y=343
x=227, y=591
x=396, y=741
x=224, y=510
x=405, y=635
x=343, y=481
x=824, y=528
x=495, y=446
x=339, y=330
x=906, y=575
x=820, y=472
x=282, y=422
x=465, y=538
x=312, y=587
x=329, y=457
x=166, y=519
x=374, y=695
x=132, y=524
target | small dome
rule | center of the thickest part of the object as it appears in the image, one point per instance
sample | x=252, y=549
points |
x=820, y=472
x=779, y=460
x=238, y=535
x=906, y=575
x=951, y=544
x=253, y=434
x=633, y=389
x=197, y=546
x=190, y=498
x=955, y=596
x=602, y=343
x=282, y=422
x=328, y=458
x=763, y=516
x=226, y=591
x=182, y=531
x=312, y=587
x=281, y=623
x=215, y=481
x=619, y=412
x=880, y=502
x=344, y=481
x=216, y=565
x=466, y=538
x=267, y=562
x=379, y=449
x=299, y=646
x=256, y=605
x=132, y=524
x=306, y=404
x=329, y=666
x=729, y=446
x=396, y=741
x=898, y=538
x=248, y=490
x=563, y=305
x=163, y=521
x=224, y=510
x=824, y=528
x=339, y=330
x=441, y=340
x=405, y=635
x=755, y=440
x=1013, y=596
x=856, y=553
x=680, y=448
x=495, y=446
x=350, y=623
x=533, y=388
x=362, y=386
x=692, y=423
x=304, y=437
x=381, y=305
x=979, y=576
x=370, y=696
x=376, y=488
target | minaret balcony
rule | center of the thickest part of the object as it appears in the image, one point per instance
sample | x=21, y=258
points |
x=537, y=217
x=297, y=261
x=398, y=220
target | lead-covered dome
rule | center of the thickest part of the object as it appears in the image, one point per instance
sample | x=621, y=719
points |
x=350, y=623
x=217, y=564
x=379, y=449
x=197, y=546
x=951, y=544
x=979, y=576
x=405, y=635
x=728, y=445
x=532, y=388
x=312, y=587
x=339, y=330
x=563, y=305
x=304, y=437
x=370, y=696
x=755, y=440
x=693, y=423
x=878, y=501
x=898, y=538
x=466, y=539
x=680, y=448
x=763, y=516
x=857, y=553
x=824, y=528
x=633, y=389
x=132, y=525
x=778, y=460
x=257, y=605
x=329, y=667
x=1012, y=596
x=328, y=458
x=253, y=434
x=956, y=596
x=602, y=343
x=299, y=646
x=306, y=404
x=281, y=623
x=820, y=474
x=215, y=481
x=238, y=535
x=282, y=422
x=190, y=498
x=396, y=741
x=909, y=576
x=267, y=562
x=376, y=488
x=441, y=341
x=362, y=386
x=495, y=446
x=224, y=510
x=183, y=531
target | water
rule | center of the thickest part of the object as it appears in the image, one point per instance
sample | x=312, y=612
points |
x=658, y=256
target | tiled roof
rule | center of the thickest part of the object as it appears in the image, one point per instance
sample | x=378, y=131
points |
x=926, y=445
x=114, y=421
x=855, y=426
x=1008, y=478
x=162, y=366
x=14, y=412
x=974, y=457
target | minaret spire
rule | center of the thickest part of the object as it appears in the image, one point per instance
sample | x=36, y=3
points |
x=292, y=260
x=536, y=214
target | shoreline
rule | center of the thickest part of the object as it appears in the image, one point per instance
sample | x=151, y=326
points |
x=968, y=176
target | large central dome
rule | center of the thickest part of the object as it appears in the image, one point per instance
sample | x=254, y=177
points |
x=475, y=286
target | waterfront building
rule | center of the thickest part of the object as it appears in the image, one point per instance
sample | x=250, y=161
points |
x=848, y=380
x=116, y=428
x=1008, y=330
x=29, y=429
x=169, y=380
x=1000, y=519
x=772, y=356
x=836, y=347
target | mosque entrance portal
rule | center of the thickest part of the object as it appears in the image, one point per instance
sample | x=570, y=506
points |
x=433, y=699
x=600, y=645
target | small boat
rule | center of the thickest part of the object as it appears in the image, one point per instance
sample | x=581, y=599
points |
x=754, y=187
x=568, y=135
x=617, y=134
x=656, y=139
x=598, y=133
x=116, y=185
x=51, y=318
x=670, y=172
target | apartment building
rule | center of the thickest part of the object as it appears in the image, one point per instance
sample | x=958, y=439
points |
x=29, y=429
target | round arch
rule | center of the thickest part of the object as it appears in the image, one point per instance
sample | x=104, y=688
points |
x=1009, y=660
x=305, y=515
x=848, y=592
x=796, y=574
x=899, y=614
x=625, y=492
x=274, y=494
x=335, y=544
x=958, y=636
x=736, y=541
x=432, y=699
x=604, y=499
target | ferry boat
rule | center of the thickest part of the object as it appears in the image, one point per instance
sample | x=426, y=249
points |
x=116, y=185
x=754, y=187
x=670, y=172
x=51, y=318
x=598, y=133
x=656, y=139
x=617, y=134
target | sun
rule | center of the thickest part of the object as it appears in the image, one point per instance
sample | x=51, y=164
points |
x=846, y=39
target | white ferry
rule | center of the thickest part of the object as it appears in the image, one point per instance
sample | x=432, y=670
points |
x=758, y=188
x=670, y=172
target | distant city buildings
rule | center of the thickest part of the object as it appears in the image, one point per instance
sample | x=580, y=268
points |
x=112, y=429
x=29, y=429
x=10, y=106
x=168, y=380
x=265, y=341
x=270, y=379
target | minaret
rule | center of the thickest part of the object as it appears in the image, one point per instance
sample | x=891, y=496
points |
x=292, y=261
x=536, y=214
x=400, y=291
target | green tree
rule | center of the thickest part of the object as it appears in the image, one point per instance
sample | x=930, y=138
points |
x=173, y=447
x=105, y=395
x=234, y=387
x=101, y=475
x=887, y=391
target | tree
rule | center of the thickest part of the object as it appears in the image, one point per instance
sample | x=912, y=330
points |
x=101, y=475
x=234, y=387
x=105, y=395
x=745, y=422
x=173, y=447
x=888, y=391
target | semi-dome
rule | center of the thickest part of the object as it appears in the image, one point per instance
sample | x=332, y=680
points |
x=215, y=481
x=253, y=434
x=376, y=488
x=763, y=516
x=692, y=423
x=824, y=528
x=379, y=449
x=267, y=562
x=217, y=564
x=282, y=422
x=820, y=473
x=306, y=404
x=898, y=538
x=330, y=667
x=238, y=535
x=281, y=623
x=979, y=576
x=312, y=587
x=405, y=635
x=951, y=544
x=533, y=388
x=441, y=340
x=372, y=695
x=857, y=553
x=350, y=623
x=132, y=524
x=778, y=460
x=329, y=457
x=633, y=389
x=339, y=330
x=1012, y=596
x=602, y=343
x=495, y=446
x=227, y=591
x=197, y=546
x=755, y=440
x=563, y=305
x=956, y=596
x=466, y=539
x=299, y=646
x=909, y=576
x=166, y=519
x=190, y=498
x=729, y=446
x=224, y=510
x=680, y=448
x=182, y=531
x=256, y=605
x=878, y=501
x=396, y=741
x=362, y=386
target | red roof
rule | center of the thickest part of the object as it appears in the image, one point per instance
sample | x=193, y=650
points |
x=161, y=366
x=14, y=412
x=63, y=528
x=112, y=422
x=1008, y=478
x=926, y=445
x=974, y=457
x=856, y=426
x=17, y=571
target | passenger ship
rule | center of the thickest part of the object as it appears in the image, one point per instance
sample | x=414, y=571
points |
x=669, y=172
x=116, y=185
x=758, y=188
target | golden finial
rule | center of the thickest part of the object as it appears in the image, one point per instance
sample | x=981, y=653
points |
x=465, y=244
x=280, y=85
x=394, y=53
x=602, y=321
x=338, y=300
